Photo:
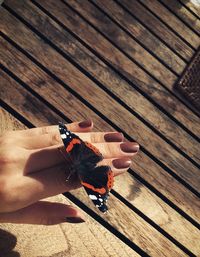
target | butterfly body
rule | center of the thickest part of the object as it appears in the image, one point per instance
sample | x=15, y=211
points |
x=83, y=158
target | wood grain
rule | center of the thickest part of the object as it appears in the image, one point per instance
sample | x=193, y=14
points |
x=193, y=6
x=101, y=71
x=118, y=60
x=78, y=95
x=161, y=31
x=172, y=21
x=142, y=34
x=116, y=113
x=162, y=216
x=161, y=122
x=124, y=42
x=32, y=75
x=183, y=14
x=8, y=122
x=119, y=216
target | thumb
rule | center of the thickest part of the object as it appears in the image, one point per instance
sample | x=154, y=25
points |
x=44, y=213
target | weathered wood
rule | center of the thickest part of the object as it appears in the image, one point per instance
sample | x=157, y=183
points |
x=32, y=75
x=183, y=13
x=117, y=60
x=140, y=197
x=120, y=216
x=161, y=31
x=84, y=58
x=116, y=113
x=26, y=101
x=85, y=100
x=125, y=42
x=141, y=105
x=194, y=6
x=143, y=35
x=9, y=122
x=134, y=188
x=173, y=22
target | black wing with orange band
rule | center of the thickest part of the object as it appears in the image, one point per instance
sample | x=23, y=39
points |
x=97, y=180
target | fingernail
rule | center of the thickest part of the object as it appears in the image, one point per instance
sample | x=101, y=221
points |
x=85, y=124
x=121, y=163
x=129, y=147
x=74, y=220
x=113, y=137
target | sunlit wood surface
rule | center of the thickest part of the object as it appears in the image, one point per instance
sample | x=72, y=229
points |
x=116, y=62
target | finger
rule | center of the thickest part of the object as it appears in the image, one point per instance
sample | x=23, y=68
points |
x=43, y=158
x=50, y=139
x=75, y=127
x=118, y=166
x=44, y=213
x=40, y=185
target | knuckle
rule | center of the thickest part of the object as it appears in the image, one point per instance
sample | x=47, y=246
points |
x=5, y=140
x=108, y=150
x=9, y=155
x=45, y=130
x=48, y=221
x=55, y=139
x=6, y=156
x=92, y=137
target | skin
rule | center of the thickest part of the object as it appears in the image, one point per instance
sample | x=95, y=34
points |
x=32, y=169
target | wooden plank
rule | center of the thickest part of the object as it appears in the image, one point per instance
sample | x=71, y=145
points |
x=9, y=122
x=142, y=34
x=119, y=215
x=90, y=65
x=64, y=239
x=155, y=209
x=125, y=42
x=156, y=118
x=138, y=231
x=171, y=104
x=160, y=29
x=132, y=189
x=184, y=14
x=177, y=25
x=193, y=6
x=32, y=75
x=27, y=73
x=26, y=101
x=116, y=113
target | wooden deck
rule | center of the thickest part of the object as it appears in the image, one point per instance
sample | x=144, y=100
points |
x=116, y=62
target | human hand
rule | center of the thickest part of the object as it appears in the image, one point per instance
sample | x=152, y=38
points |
x=32, y=168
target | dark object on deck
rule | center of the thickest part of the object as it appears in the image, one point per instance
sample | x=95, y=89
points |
x=189, y=83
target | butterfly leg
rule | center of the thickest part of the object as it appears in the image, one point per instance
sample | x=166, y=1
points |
x=68, y=161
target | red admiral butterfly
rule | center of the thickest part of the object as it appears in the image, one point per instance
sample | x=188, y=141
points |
x=83, y=158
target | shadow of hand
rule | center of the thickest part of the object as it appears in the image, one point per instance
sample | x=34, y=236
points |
x=7, y=244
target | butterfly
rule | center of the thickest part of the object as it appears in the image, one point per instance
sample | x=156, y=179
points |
x=83, y=158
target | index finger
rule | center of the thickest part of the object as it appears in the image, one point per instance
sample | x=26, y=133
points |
x=83, y=126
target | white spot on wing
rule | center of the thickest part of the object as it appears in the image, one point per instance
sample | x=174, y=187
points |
x=63, y=136
x=93, y=197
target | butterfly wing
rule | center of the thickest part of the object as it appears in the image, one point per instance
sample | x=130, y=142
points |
x=78, y=150
x=98, y=184
x=97, y=180
x=71, y=141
